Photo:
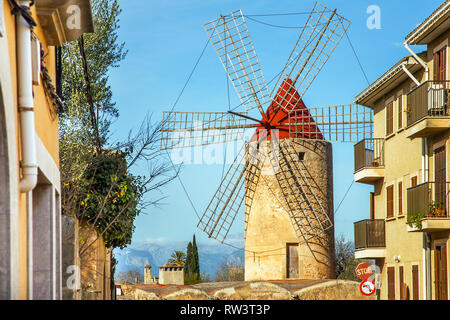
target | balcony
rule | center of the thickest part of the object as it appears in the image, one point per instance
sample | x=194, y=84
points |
x=427, y=109
x=370, y=239
x=428, y=207
x=369, y=160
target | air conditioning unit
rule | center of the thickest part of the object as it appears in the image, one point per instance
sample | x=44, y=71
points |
x=437, y=98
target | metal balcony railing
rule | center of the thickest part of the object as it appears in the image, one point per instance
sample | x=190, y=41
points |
x=430, y=99
x=429, y=199
x=369, y=153
x=370, y=234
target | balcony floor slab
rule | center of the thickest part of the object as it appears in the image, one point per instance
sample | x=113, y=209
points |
x=370, y=253
x=369, y=175
x=428, y=127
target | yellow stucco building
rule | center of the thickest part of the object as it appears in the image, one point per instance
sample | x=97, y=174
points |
x=408, y=231
x=30, y=218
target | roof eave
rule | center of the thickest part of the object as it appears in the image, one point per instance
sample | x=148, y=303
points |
x=386, y=82
x=432, y=27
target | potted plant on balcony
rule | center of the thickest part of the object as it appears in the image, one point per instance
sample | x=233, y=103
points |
x=436, y=209
x=415, y=220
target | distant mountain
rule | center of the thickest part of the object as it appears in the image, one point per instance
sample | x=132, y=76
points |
x=157, y=252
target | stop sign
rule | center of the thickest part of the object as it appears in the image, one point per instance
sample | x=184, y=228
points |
x=364, y=271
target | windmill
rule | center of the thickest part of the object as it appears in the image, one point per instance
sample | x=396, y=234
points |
x=284, y=173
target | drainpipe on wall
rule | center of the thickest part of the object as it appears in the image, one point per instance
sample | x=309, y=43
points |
x=424, y=65
x=25, y=100
x=410, y=74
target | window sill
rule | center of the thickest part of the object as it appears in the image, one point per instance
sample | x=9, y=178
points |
x=390, y=136
x=390, y=219
x=400, y=130
x=401, y=216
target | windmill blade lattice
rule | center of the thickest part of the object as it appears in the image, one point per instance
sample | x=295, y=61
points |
x=224, y=206
x=319, y=37
x=308, y=217
x=231, y=40
x=340, y=123
x=189, y=129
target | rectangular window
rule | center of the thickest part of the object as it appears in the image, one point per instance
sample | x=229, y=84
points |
x=389, y=118
x=400, y=198
x=400, y=111
x=414, y=181
x=390, y=201
x=401, y=283
x=415, y=282
x=391, y=283
x=440, y=64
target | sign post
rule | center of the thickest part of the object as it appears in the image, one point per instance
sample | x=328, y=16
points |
x=364, y=271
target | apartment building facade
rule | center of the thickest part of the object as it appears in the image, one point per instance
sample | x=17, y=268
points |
x=30, y=215
x=408, y=230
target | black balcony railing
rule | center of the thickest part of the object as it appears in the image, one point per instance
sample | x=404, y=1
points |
x=429, y=199
x=370, y=234
x=430, y=99
x=369, y=153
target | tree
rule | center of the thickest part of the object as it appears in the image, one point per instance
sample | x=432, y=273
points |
x=345, y=262
x=195, y=259
x=178, y=257
x=230, y=270
x=192, y=266
x=130, y=276
x=100, y=186
x=188, y=263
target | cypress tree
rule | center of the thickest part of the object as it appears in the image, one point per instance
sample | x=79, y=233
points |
x=188, y=263
x=195, y=261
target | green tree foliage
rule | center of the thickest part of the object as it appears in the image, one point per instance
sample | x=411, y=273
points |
x=178, y=257
x=345, y=262
x=188, y=263
x=102, y=52
x=98, y=185
x=195, y=259
x=192, y=266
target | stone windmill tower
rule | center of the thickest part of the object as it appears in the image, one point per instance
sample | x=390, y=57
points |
x=284, y=173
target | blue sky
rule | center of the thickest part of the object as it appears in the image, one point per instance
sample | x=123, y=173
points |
x=165, y=38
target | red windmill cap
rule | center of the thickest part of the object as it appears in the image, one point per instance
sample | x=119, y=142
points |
x=292, y=103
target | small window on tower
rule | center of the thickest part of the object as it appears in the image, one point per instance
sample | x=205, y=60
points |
x=301, y=156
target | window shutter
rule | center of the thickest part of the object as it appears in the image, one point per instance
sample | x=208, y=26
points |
x=391, y=283
x=390, y=201
x=415, y=280
x=390, y=118
x=400, y=198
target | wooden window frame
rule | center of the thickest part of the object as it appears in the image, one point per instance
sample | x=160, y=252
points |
x=415, y=284
x=414, y=181
x=401, y=281
x=399, y=110
x=390, y=284
x=389, y=107
x=390, y=203
x=440, y=74
x=400, y=198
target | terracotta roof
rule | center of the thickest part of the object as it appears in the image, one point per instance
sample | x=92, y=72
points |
x=172, y=265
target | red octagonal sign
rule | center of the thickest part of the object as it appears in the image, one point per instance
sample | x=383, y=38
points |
x=364, y=271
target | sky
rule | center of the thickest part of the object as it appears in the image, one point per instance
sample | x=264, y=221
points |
x=164, y=39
